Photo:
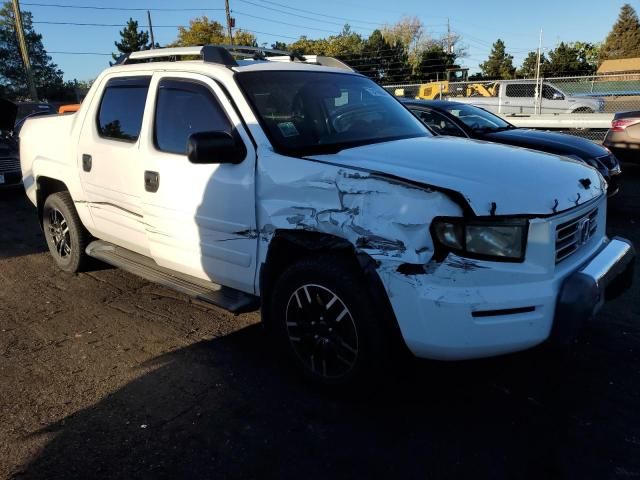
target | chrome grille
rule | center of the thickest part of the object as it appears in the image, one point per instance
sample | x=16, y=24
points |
x=571, y=235
x=9, y=165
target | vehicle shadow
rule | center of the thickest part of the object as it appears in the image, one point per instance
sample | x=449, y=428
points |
x=20, y=233
x=228, y=408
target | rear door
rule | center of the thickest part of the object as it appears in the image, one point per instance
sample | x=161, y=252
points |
x=519, y=98
x=200, y=218
x=110, y=164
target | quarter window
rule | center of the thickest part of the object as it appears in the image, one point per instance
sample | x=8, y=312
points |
x=122, y=107
x=182, y=109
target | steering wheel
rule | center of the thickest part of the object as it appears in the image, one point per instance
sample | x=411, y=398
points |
x=342, y=120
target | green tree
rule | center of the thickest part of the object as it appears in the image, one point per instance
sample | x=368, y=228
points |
x=529, y=67
x=202, y=31
x=433, y=64
x=499, y=64
x=588, y=54
x=382, y=61
x=565, y=60
x=13, y=82
x=279, y=46
x=131, y=39
x=624, y=39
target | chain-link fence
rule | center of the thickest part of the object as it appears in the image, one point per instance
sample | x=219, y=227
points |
x=548, y=97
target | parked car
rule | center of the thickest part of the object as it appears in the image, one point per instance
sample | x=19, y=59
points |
x=10, y=173
x=461, y=120
x=519, y=97
x=623, y=138
x=298, y=186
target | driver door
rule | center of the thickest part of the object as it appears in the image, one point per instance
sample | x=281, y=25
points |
x=200, y=218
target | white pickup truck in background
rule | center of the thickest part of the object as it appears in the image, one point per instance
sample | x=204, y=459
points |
x=515, y=97
x=298, y=186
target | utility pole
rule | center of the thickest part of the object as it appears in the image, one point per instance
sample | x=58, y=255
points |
x=17, y=18
x=538, y=108
x=448, y=36
x=229, y=21
x=153, y=40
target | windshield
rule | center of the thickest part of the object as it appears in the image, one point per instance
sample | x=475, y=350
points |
x=477, y=119
x=306, y=112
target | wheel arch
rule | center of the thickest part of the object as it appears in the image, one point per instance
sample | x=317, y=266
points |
x=46, y=186
x=289, y=246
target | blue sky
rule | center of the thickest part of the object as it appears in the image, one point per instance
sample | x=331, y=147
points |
x=479, y=23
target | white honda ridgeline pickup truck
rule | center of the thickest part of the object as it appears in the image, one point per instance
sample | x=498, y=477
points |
x=300, y=187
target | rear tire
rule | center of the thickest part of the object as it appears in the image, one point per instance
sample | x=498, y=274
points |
x=325, y=322
x=66, y=237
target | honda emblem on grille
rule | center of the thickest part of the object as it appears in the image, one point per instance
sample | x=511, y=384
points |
x=582, y=232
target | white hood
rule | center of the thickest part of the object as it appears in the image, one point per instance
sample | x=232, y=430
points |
x=516, y=180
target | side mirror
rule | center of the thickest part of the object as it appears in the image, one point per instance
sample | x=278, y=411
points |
x=215, y=147
x=557, y=96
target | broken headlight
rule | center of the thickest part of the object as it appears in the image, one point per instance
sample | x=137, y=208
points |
x=489, y=239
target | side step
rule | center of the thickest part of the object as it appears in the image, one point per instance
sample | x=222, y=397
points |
x=228, y=298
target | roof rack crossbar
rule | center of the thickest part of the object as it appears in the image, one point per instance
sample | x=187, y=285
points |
x=227, y=54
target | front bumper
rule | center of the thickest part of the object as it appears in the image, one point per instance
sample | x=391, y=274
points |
x=469, y=309
x=584, y=292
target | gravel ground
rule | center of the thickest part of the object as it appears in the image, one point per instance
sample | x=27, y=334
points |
x=103, y=375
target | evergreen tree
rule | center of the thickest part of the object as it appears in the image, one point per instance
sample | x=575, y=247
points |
x=624, y=39
x=132, y=40
x=13, y=81
x=529, y=67
x=499, y=64
x=565, y=60
x=433, y=64
x=382, y=61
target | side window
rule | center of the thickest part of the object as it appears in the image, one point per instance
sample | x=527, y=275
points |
x=439, y=123
x=548, y=92
x=183, y=108
x=122, y=107
x=520, y=90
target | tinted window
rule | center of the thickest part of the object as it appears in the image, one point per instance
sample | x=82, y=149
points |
x=183, y=108
x=122, y=108
x=439, y=123
x=521, y=90
x=305, y=112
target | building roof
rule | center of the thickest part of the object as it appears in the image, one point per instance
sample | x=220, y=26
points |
x=620, y=65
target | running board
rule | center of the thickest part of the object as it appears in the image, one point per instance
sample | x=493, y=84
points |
x=228, y=298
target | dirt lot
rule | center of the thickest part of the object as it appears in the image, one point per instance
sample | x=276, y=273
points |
x=105, y=375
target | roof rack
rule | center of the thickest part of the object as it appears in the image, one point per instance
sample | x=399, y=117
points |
x=227, y=54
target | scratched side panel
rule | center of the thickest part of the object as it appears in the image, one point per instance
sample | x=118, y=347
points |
x=385, y=218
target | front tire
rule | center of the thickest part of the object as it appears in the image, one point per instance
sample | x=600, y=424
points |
x=325, y=322
x=66, y=237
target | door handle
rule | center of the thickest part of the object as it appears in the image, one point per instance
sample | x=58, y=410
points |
x=151, y=181
x=86, y=162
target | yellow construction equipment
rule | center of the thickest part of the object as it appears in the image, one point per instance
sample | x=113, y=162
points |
x=455, y=86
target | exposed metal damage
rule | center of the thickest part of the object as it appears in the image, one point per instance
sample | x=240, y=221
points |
x=378, y=215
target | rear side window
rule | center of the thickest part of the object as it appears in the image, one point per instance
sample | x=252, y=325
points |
x=122, y=108
x=521, y=90
x=182, y=109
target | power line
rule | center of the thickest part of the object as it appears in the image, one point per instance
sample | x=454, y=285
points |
x=303, y=16
x=319, y=14
x=120, y=25
x=285, y=23
x=127, y=9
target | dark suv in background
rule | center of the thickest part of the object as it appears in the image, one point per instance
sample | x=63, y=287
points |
x=10, y=173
